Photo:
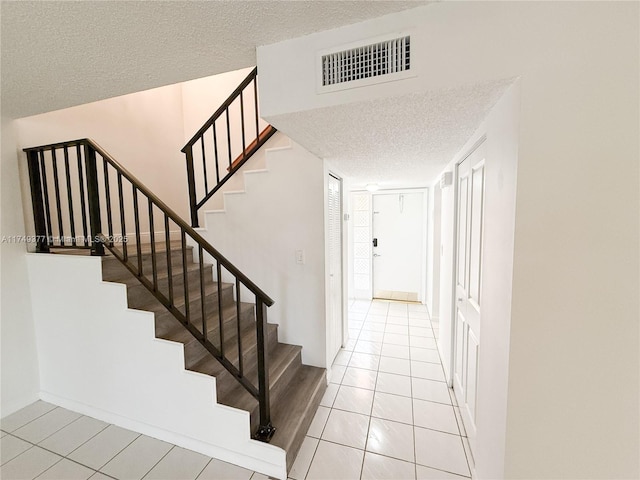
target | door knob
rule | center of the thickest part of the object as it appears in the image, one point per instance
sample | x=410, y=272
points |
x=460, y=299
x=377, y=255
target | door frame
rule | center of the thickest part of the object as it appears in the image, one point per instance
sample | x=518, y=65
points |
x=454, y=263
x=423, y=249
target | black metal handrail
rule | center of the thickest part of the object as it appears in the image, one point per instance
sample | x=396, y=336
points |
x=93, y=187
x=220, y=125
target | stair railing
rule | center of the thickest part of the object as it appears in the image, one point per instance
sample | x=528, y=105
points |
x=96, y=205
x=218, y=147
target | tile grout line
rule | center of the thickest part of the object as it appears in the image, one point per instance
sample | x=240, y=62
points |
x=89, y=439
x=123, y=449
x=33, y=420
x=156, y=464
x=65, y=426
x=62, y=457
x=366, y=438
x=204, y=468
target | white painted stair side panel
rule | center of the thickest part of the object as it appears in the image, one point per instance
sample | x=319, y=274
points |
x=101, y=359
x=236, y=183
x=281, y=212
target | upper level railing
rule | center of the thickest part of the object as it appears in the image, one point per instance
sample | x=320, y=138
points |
x=224, y=143
x=82, y=198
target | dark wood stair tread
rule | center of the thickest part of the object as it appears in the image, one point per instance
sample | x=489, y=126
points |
x=268, y=130
x=121, y=274
x=294, y=408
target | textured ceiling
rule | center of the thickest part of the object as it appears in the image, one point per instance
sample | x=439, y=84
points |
x=59, y=54
x=395, y=142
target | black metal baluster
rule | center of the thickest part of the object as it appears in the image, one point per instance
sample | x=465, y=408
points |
x=228, y=137
x=37, y=200
x=266, y=430
x=215, y=151
x=240, y=356
x=220, y=320
x=255, y=98
x=56, y=188
x=152, y=235
x=202, y=297
x=123, y=225
x=136, y=219
x=204, y=166
x=97, y=248
x=187, y=307
x=72, y=222
x=244, y=145
x=107, y=193
x=45, y=187
x=167, y=240
x=83, y=205
x=191, y=179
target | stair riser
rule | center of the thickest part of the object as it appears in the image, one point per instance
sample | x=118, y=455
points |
x=161, y=260
x=143, y=299
x=178, y=281
x=210, y=302
x=250, y=357
x=195, y=353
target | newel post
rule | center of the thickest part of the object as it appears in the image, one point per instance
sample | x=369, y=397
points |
x=97, y=247
x=37, y=201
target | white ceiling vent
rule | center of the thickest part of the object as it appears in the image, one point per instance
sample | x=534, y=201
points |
x=376, y=62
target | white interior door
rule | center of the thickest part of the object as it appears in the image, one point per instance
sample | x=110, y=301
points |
x=468, y=286
x=398, y=233
x=335, y=266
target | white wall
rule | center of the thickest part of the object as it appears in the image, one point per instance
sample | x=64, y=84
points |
x=127, y=376
x=19, y=360
x=143, y=131
x=259, y=231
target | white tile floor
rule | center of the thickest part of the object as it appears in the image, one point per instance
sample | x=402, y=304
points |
x=387, y=415
x=47, y=442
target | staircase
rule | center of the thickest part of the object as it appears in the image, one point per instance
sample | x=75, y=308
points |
x=197, y=296
x=295, y=389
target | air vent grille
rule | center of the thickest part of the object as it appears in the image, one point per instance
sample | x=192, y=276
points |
x=377, y=59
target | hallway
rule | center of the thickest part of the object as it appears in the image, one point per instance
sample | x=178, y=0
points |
x=387, y=413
